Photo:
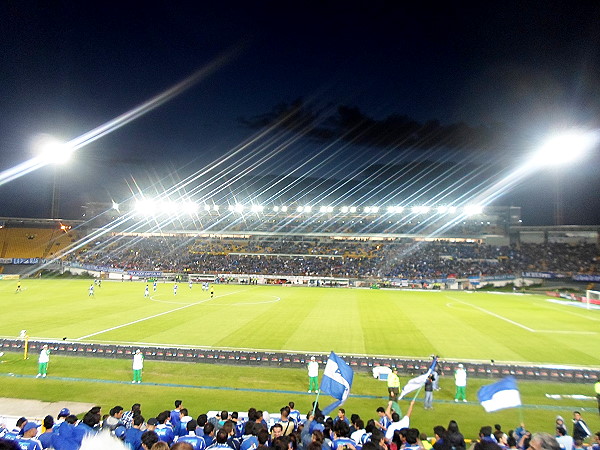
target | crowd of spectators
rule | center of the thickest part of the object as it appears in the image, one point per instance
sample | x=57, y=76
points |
x=400, y=258
x=177, y=429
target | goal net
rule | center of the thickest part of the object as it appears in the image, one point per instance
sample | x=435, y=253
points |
x=592, y=297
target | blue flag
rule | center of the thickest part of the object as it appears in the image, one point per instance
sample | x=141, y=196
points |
x=336, y=381
x=500, y=395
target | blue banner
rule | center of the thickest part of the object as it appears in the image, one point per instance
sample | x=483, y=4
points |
x=144, y=273
x=582, y=277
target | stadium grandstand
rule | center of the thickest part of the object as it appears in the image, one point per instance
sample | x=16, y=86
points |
x=441, y=247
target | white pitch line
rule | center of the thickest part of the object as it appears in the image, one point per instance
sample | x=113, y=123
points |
x=494, y=315
x=152, y=317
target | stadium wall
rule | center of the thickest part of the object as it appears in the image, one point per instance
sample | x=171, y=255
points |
x=243, y=357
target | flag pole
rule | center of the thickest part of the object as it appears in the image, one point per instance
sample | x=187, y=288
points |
x=316, y=402
x=416, y=395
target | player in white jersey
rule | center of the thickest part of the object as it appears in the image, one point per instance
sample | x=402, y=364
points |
x=190, y=284
x=91, y=290
x=175, y=289
x=147, y=292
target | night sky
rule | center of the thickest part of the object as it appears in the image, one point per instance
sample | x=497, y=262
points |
x=321, y=89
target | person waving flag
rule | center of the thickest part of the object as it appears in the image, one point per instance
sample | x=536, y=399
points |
x=418, y=382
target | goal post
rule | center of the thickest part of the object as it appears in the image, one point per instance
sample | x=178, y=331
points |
x=592, y=297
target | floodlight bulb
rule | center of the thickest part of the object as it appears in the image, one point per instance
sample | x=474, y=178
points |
x=353, y=209
x=53, y=151
x=284, y=208
x=344, y=209
x=566, y=147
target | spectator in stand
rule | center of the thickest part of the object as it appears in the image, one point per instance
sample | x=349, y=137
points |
x=220, y=441
x=46, y=437
x=133, y=435
x=127, y=419
x=149, y=438
x=5, y=444
x=160, y=445
x=196, y=442
x=208, y=434
x=580, y=428
x=441, y=443
x=486, y=440
x=182, y=446
x=175, y=416
x=28, y=441
x=565, y=441
x=114, y=419
x=454, y=437
x=163, y=429
x=17, y=430
x=62, y=415
x=543, y=441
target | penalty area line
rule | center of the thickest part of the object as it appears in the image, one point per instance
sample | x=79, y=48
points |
x=133, y=322
x=494, y=315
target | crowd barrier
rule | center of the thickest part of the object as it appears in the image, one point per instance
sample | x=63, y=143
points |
x=407, y=367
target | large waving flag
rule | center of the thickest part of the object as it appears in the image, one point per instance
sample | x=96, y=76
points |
x=500, y=395
x=415, y=383
x=336, y=381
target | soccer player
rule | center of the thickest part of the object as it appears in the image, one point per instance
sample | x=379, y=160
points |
x=91, y=290
x=212, y=292
x=313, y=375
x=460, y=380
x=138, y=366
x=175, y=289
x=147, y=292
x=190, y=284
x=154, y=285
x=43, y=361
x=18, y=288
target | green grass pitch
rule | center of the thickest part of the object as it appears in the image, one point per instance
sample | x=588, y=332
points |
x=454, y=325
x=457, y=326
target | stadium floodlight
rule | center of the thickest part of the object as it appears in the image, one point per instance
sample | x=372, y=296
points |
x=284, y=209
x=374, y=209
x=308, y=208
x=420, y=209
x=442, y=209
x=300, y=209
x=115, y=206
x=53, y=151
x=276, y=208
x=257, y=208
x=367, y=209
x=471, y=210
x=323, y=209
x=452, y=209
x=344, y=209
x=353, y=209
x=206, y=208
x=239, y=208
x=330, y=209
x=190, y=207
x=231, y=208
x=565, y=147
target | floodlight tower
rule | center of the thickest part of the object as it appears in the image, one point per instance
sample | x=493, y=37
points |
x=57, y=153
x=559, y=150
